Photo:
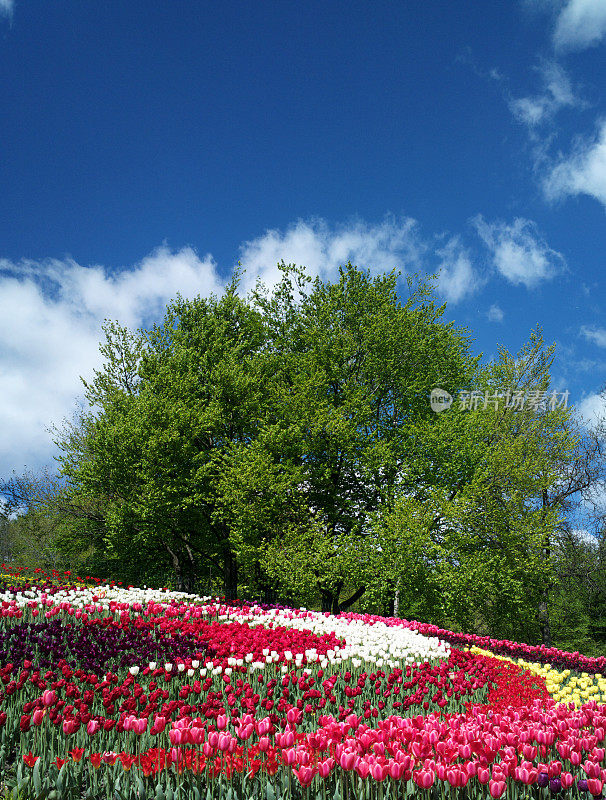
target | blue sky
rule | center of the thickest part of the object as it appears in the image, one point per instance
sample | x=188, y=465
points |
x=146, y=147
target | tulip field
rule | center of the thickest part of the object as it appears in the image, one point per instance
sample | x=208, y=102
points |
x=126, y=693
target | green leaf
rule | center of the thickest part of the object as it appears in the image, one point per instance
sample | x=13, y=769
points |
x=61, y=777
x=36, y=777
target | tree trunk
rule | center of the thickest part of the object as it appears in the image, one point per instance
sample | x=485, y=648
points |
x=544, y=621
x=396, y=603
x=355, y=596
x=179, y=577
x=327, y=600
x=230, y=575
x=335, y=598
x=544, y=618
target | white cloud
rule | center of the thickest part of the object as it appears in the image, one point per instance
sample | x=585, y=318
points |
x=518, y=251
x=580, y=24
x=582, y=172
x=6, y=7
x=557, y=93
x=457, y=278
x=584, y=536
x=50, y=326
x=595, y=335
x=591, y=408
x=380, y=248
x=313, y=244
x=495, y=313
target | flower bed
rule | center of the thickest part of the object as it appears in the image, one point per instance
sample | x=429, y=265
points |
x=135, y=693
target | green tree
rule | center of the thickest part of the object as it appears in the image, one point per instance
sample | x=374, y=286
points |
x=472, y=542
x=181, y=442
x=359, y=365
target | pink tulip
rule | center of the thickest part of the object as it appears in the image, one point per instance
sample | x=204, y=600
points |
x=293, y=716
x=592, y=770
x=49, y=697
x=303, y=757
x=496, y=788
x=527, y=775
x=353, y=721
x=347, y=760
x=396, y=770
x=305, y=775
x=595, y=786
x=471, y=767
x=70, y=726
x=483, y=775
x=325, y=767
x=263, y=726
x=246, y=731
x=424, y=778
x=38, y=716
x=567, y=780
x=456, y=778
x=379, y=771
x=362, y=768
x=175, y=736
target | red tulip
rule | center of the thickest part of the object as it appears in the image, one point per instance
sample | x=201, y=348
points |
x=76, y=753
x=30, y=759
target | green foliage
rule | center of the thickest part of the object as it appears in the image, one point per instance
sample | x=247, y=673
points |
x=359, y=367
x=469, y=542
